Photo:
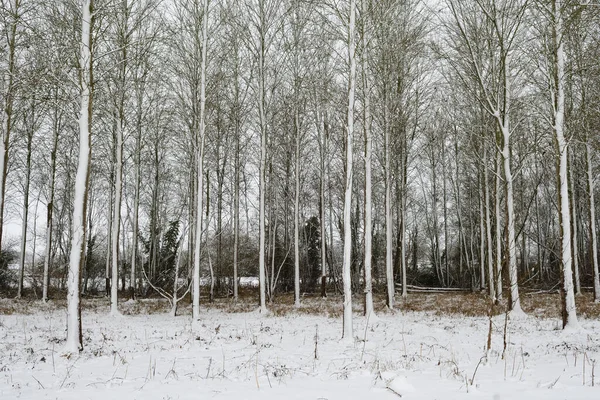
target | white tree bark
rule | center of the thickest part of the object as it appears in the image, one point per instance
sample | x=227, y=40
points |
x=50, y=206
x=498, y=233
x=592, y=218
x=515, y=302
x=322, y=137
x=263, y=157
x=200, y=166
x=389, y=265
x=30, y=131
x=74, y=341
x=111, y=202
x=368, y=231
x=8, y=98
x=236, y=213
x=346, y=275
x=297, y=212
x=116, y=224
x=236, y=189
x=569, y=312
x=573, y=212
x=136, y=196
x=488, y=227
x=481, y=236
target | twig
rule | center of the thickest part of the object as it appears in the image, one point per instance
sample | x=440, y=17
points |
x=39, y=383
x=477, y=367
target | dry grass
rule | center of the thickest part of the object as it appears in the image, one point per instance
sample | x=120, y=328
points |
x=544, y=305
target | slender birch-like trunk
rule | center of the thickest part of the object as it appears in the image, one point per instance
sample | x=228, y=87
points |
x=116, y=224
x=9, y=95
x=573, y=211
x=136, y=196
x=445, y=198
x=592, y=217
x=237, y=166
x=236, y=210
x=569, y=311
x=74, y=341
x=498, y=271
x=515, y=301
x=200, y=166
x=347, y=263
x=263, y=157
x=50, y=206
x=107, y=274
x=297, y=211
x=481, y=235
x=368, y=234
x=30, y=132
x=389, y=265
x=488, y=227
x=322, y=135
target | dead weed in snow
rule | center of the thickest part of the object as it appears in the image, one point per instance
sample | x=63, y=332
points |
x=539, y=304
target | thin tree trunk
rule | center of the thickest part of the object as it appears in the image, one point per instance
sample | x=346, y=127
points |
x=389, y=265
x=511, y=246
x=297, y=212
x=74, y=341
x=200, y=166
x=592, y=217
x=569, y=312
x=488, y=226
x=26, y=204
x=368, y=234
x=263, y=157
x=573, y=211
x=8, y=98
x=322, y=210
x=137, y=183
x=50, y=207
x=445, y=196
x=116, y=224
x=498, y=227
x=236, y=205
x=347, y=263
x=109, y=231
x=481, y=235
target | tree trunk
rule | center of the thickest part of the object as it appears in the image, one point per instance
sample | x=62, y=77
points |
x=569, y=312
x=30, y=132
x=74, y=341
x=8, y=98
x=323, y=143
x=109, y=231
x=116, y=224
x=498, y=227
x=200, y=166
x=573, y=212
x=347, y=263
x=263, y=157
x=297, y=210
x=488, y=226
x=511, y=246
x=389, y=265
x=592, y=217
x=236, y=200
x=368, y=234
x=50, y=207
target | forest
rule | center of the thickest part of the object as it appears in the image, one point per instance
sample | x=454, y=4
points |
x=191, y=148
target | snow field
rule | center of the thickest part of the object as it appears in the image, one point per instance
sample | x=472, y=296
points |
x=252, y=356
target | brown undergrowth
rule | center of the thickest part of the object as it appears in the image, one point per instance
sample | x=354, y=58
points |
x=538, y=304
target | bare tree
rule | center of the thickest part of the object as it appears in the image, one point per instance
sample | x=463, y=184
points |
x=74, y=341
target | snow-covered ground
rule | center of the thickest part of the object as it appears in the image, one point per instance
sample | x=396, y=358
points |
x=251, y=356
